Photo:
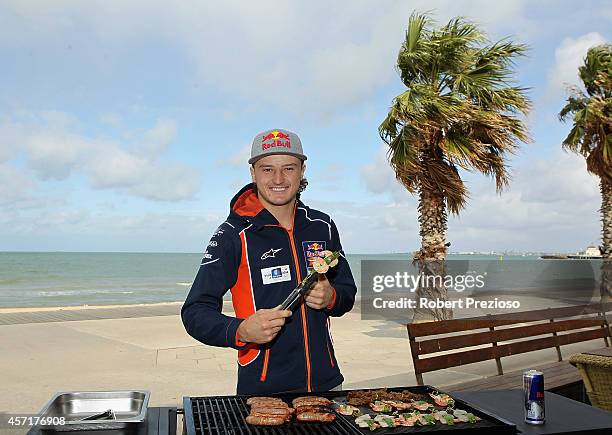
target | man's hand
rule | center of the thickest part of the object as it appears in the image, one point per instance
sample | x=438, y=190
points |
x=321, y=294
x=262, y=326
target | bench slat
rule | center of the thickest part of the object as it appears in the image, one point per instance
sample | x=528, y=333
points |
x=448, y=343
x=477, y=355
x=456, y=325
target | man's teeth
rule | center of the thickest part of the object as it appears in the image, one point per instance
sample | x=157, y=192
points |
x=279, y=189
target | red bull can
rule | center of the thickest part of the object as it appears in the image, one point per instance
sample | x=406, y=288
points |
x=533, y=388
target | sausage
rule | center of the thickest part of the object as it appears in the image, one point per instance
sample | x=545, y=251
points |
x=310, y=408
x=311, y=400
x=281, y=405
x=265, y=420
x=271, y=411
x=321, y=417
x=251, y=400
x=277, y=405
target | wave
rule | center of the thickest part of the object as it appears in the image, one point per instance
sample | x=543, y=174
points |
x=184, y=284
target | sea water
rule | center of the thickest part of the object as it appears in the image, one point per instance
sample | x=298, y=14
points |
x=48, y=279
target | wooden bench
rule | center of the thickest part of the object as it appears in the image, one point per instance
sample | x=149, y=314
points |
x=440, y=345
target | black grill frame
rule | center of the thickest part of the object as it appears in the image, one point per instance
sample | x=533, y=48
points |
x=211, y=415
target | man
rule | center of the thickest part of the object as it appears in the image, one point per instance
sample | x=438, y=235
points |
x=261, y=253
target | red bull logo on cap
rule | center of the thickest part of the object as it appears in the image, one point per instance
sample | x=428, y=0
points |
x=275, y=139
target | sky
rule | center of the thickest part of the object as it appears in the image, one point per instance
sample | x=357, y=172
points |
x=126, y=125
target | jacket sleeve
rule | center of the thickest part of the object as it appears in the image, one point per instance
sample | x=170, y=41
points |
x=341, y=279
x=201, y=312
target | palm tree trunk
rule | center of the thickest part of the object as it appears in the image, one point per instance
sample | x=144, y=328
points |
x=606, y=217
x=606, y=233
x=432, y=255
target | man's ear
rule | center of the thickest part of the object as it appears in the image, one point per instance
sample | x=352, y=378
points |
x=252, y=168
x=303, y=169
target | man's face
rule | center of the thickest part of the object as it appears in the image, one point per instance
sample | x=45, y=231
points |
x=278, y=178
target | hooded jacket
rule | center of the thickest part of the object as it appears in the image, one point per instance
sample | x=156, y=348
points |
x=261, y=262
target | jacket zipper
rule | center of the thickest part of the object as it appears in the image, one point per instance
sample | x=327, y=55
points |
x=264, y=371
x=302, y=308
x=331, y=360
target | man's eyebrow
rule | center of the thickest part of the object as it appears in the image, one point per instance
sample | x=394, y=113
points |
x=293, y=165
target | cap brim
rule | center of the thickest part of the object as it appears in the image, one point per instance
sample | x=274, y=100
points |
x=252, y=160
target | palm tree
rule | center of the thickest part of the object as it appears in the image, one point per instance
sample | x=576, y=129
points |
x=460, y=110
x=590, y=137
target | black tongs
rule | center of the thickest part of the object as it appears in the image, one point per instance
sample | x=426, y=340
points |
x=300, y=290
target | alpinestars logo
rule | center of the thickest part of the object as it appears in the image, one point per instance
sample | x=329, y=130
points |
x=270, y=254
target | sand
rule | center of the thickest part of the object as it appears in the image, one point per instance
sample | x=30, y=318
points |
x=155, y=353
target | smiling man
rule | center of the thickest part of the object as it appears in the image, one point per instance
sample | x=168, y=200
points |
x=261, y=253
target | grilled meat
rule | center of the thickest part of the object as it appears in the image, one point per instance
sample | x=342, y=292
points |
x=270, y=405
x=252, y=400
x=363, y=398
x=311, y=400
x=271, y=411
x=311, y=408
x=265, y=420
x=397, y=404
x=321, y=417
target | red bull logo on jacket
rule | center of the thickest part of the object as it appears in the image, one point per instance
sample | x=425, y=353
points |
x=313, y=250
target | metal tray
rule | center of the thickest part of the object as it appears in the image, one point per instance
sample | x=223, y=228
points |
x=130, y=408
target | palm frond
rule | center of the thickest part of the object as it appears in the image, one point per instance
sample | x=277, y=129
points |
x=460, y=108
x=591, y=113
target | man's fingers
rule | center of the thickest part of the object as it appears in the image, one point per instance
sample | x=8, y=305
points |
x=271, y=334
x=315, y=306
x=315, y=292
x=314, y=299
x=274, y=313
x=276, y=322
x=278, y=314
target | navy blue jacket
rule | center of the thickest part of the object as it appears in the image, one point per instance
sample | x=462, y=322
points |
x=261, y=262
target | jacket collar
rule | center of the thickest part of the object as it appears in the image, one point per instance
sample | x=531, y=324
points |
x=246, y=205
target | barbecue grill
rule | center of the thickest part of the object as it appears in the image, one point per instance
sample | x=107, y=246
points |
x=226, y=415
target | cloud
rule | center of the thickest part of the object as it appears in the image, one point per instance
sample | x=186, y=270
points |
x=286, y=54
x=157, y=139
x=569, y=55
x=54, y=152
x=238, y=159
x=76, y=229
x=552, y=205
x=379, y=178
x=14, y=185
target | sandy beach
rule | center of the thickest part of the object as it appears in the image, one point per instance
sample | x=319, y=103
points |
x=146, y=347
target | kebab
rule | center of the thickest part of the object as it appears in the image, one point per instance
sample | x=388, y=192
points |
x=320, y=265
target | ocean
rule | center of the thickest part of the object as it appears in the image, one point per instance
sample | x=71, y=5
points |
x=49, y=279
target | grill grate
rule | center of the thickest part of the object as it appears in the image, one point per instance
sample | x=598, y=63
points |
x=226, y=415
